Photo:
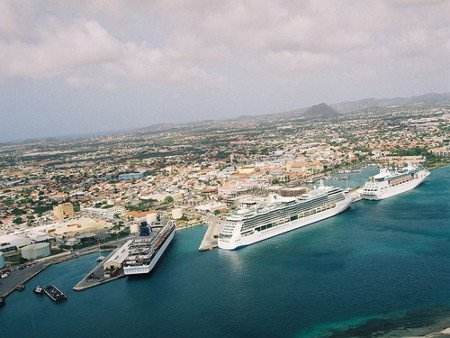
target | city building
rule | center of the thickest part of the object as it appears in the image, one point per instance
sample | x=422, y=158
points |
x=177, y=213
x=131, y=176
x=77, y=227
x=63, y=211
x=34, y=251
x=116, y=260
x=302, y=167
x=441, y=151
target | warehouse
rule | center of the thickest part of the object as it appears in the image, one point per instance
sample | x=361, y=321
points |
x=117, y=259
x=34, y=251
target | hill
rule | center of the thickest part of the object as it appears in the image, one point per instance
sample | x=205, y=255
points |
x=320, y=110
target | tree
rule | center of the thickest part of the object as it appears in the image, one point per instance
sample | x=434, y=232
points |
x=18, y=220
x=168, y=199
x=18, y=212
x=76, y=207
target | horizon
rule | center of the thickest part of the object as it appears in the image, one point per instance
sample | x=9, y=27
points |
x=107, y=66
x=132, y=129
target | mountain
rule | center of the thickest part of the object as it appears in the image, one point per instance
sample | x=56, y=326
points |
x=321, y=110
x=363, y=105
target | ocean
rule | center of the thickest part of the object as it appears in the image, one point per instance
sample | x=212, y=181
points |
x=379, y=266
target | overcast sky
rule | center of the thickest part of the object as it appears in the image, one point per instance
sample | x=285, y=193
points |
x=70, y=67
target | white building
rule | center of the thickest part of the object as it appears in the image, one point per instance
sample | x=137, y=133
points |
x=116, y=260
x=34, y=251
x=177, y=213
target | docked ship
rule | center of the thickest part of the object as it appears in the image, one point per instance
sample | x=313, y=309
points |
x=389, y=183
x=281, y=214
x=145, y=250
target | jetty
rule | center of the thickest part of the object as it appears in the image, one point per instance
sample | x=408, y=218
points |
x=356, y=195
x=20, y=275
x=210, y=239
x=97, y=277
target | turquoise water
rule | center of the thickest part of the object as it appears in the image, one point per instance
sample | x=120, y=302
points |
x=355, y=179
x=352, y=180
x=379, y=265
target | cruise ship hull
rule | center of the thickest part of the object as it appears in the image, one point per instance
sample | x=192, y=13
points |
x=257, y=236
x=394, y=190
x=145, y=269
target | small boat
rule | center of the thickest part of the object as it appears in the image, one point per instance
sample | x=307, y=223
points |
x=100, y=258
x=38, y=290
x=20, y=287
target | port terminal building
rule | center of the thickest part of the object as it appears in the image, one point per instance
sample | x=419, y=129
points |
x=116, y=260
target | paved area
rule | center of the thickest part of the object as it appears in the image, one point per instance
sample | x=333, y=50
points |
x=22, y=274
x=356, y=195
x=19, y=276
x=96, y=276
x=210, y=240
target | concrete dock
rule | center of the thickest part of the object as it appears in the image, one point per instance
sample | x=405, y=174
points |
x=96, y=276
x=210, y=239
x=356, y=195
x=17, y=277
x=22, y=274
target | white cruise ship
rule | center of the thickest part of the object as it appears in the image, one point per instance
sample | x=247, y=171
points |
x=280, y=215
x=146, y=249
x=389, y=183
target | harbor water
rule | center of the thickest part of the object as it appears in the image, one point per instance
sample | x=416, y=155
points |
x=379, y=266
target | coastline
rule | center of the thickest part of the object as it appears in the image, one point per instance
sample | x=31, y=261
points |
x=442, y=165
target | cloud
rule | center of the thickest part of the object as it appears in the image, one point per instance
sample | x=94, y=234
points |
x=9, y=25
x=83, y=52
x=195, y=42
x=59, y=50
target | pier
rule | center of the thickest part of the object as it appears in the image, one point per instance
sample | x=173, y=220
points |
x=22, y=274
x=18, y=277
x=210, y=239
x=96, y=276
x=356, y=195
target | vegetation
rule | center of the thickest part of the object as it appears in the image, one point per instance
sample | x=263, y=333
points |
x=142, y=206
x=432, y=161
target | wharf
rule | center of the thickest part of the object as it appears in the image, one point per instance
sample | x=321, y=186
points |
x=21, y=275
x=356, y=195
x=96, y=276
x=28, y=271
x=8, y=285
x=210, y=240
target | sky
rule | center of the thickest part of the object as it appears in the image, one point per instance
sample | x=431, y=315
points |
x=85, y=66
